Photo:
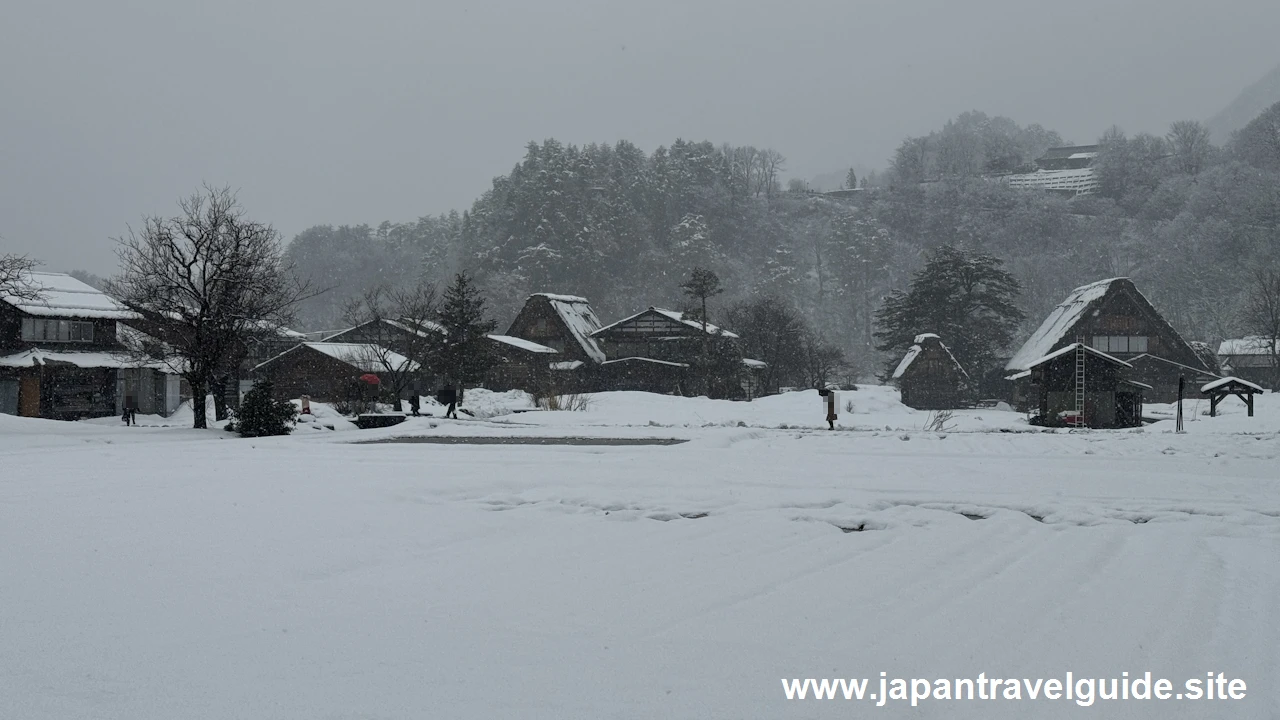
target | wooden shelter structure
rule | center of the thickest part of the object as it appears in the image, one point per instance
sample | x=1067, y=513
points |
x=1219, y=390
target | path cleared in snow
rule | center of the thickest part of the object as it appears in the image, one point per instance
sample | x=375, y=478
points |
x=164, y=572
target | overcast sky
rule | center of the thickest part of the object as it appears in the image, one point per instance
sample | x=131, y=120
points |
x=328, y=111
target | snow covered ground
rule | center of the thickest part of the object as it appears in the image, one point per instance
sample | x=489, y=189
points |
x=162, y=572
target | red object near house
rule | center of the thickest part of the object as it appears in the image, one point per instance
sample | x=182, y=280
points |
x=370, y=378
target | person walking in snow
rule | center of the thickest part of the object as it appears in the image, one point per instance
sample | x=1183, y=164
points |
x=828, y=395
x=449, y=396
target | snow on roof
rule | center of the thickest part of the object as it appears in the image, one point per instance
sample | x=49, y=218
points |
x=1142, y=385
x=1251, y=345
x=696, y=324
x=61, y=295
x=417, y=327
x=1227, y=380
x=566, y=365
x=561, y=298
x=523, y=344
x=362, y=356
x=749, y=362
x=36, y=357
x=1071, y=348
x=1054, y=329
x=673, y=315
x=365, y=356
x=577, y=315
x=912, y=353
x=647, y=360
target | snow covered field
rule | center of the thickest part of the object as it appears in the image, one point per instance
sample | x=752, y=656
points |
x=161, y=572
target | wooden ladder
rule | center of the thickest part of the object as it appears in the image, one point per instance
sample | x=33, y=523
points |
x=1080, y=381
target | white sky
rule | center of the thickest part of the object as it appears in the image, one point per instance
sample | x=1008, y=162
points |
x=340, y=112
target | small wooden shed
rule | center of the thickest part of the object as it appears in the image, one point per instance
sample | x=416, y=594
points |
x=930, y=378
x=1081, y=386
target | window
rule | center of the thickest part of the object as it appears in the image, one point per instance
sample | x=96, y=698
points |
x=1120, y=343
x=40, y=330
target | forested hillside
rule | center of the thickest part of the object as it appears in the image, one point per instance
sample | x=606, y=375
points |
x=624, y=228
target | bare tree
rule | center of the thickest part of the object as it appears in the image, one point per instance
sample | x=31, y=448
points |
x=399, y=329
x=1189, y=142
x=768, y=164
x=203, y=283
x=15, y=277
x=1262, y=315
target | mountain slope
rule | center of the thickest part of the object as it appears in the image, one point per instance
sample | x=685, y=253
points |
x=1247, y=105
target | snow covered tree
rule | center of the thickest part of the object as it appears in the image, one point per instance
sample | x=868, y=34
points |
x=1188, y=140
x=261, y=414
x=965, y=297
x=463, y=353
x=203, y=283
x=851, y=180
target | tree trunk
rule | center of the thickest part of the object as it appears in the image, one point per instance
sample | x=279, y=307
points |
x=219, y=388
x=199, y=389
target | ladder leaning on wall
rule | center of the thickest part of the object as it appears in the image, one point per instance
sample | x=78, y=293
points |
x=1080, y=381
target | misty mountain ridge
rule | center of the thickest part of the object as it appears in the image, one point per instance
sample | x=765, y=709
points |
x=1248, y=105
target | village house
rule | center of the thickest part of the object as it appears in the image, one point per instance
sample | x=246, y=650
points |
x=1112, y=317
x=930, y=378
x=565, y=324
x=62, y=355
x=654, y=349
x=1252, y=358
x=525, y=365
x=338, y=371
x=1080, y=386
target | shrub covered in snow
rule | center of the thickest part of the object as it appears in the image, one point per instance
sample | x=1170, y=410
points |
x=260, y=414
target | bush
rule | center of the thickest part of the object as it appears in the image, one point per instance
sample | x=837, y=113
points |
x=572, y=402
x=260, y=414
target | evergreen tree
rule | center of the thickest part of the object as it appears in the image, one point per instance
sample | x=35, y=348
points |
x=965, y=297
x=261, y=415
x=463, y=353
x=851, y=180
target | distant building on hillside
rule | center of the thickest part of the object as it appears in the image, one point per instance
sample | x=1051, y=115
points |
x=1067, y=170
x=930, y=378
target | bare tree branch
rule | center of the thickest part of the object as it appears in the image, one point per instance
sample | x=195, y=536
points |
x=203, y=284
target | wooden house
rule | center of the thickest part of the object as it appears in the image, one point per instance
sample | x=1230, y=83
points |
x=658, y=334
x=1112, y=317
x=1109, y=398
x=655, y=348
x=930, y=378
x=565, y=323
x=333, y=371
x=62, y=357
x=526, y=365
x=1252, y=358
